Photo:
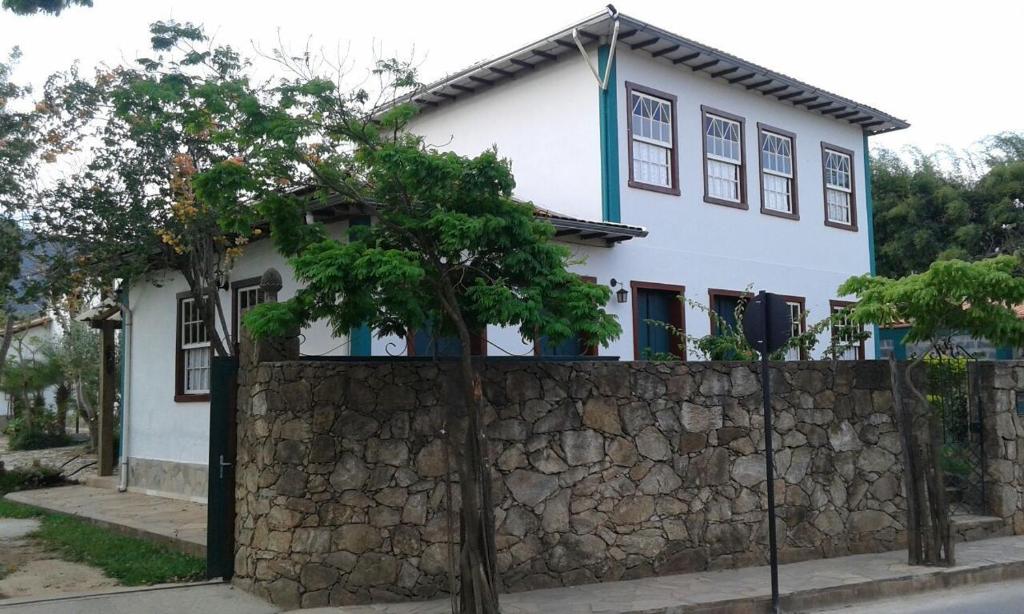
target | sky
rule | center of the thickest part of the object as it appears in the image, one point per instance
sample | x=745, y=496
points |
x=949, y=68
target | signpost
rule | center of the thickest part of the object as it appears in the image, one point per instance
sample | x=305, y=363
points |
x=767, y=325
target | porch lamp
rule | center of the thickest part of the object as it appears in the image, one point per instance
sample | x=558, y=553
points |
x=621, y=295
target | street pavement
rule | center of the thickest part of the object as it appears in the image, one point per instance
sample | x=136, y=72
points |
x=1002, y=598
x=209, y=598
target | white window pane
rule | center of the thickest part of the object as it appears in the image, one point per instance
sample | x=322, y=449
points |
x=651, y=164
x=777, y=195
x=838, y=206
x=723, y=180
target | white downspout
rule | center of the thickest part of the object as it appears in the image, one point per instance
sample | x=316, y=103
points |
x=126, y=402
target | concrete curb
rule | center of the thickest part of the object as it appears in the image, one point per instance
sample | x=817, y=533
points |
x=117, y=590
x=848, y=594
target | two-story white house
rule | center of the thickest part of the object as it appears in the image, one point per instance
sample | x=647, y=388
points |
x=669, y=168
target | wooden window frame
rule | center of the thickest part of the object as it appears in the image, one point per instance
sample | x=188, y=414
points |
x=762, y=131
x=677, y=290
x=588, y=350
x=705, y=111
x=852, y=226
x=180, y=396
x=789, y=298
x=835, y=305
x=246, y=283
x=713, y=293
x=673, y=190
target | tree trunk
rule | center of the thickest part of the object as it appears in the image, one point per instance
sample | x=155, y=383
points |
x=905, y=423
x=5, y=342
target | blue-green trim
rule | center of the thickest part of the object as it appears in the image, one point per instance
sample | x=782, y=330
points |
x=359, y=337
x=871, y=228
x=608, y=117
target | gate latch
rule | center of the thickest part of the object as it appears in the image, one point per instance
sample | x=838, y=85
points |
x=222, y=465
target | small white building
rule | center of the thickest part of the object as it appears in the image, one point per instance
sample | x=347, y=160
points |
x=674, y=168
x=29, y=339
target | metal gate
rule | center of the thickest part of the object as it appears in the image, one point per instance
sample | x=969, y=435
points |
x=220, y=509
x=952, y=394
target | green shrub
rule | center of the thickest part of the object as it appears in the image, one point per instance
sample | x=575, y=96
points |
x=43, y=434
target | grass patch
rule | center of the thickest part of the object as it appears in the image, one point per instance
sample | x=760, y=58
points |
x=130, y=560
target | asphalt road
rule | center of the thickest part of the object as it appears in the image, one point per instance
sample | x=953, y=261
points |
x=1001, y=598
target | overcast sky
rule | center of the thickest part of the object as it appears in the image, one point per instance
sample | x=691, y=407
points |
x=950, y=68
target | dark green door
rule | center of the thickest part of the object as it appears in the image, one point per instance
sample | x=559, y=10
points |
x=655, y=306
x=220, y=509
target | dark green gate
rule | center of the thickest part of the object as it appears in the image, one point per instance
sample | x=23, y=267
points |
x=952, y=395
x=220, y=522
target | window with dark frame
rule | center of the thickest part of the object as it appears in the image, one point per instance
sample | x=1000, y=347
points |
x=193, y=352
x=845, y=333
x=651, y=137
x=245, y=294
x=838, y=185
x=798, y=316
x=777, y=155
x=724, y=158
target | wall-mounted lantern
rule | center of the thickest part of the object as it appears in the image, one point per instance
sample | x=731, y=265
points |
x=621, y=295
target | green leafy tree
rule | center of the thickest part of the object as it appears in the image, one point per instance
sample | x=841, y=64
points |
x=948, y=205
x=19, y=146
x=449, y=250
x=50, y=7
x=147, y=131
x=951, y=297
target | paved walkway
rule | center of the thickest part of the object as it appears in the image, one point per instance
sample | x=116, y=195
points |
x=179, y=524
x=171, y=599
x=806, y=585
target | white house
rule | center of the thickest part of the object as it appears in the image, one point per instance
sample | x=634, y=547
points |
x=30, y=338
x=674, y=168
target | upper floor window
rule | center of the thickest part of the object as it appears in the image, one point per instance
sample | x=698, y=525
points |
x=778, y=172
x=652, y=140
x=724, y=182
x=193, y=352
x=840, y=202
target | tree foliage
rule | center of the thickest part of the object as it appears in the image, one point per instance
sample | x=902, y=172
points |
x=952, y=296
x=948, y=205
x=149, y=130
x=49, y=7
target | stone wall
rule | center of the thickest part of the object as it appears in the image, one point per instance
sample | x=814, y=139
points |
x=1001, y=387
x=601, y=471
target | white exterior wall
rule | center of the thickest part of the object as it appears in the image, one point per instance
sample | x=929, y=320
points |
x=544, y=122
x=691, y=243
x=700, y=245
x=159, y=427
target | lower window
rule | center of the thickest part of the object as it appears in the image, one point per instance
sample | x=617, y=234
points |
x=192, y=364
x=845, y=334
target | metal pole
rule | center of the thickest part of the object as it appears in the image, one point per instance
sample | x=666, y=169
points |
x=769, y=462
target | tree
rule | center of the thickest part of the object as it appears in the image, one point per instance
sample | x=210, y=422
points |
x=33, y=7
x=449, y=250
x=948, y=205
x=951, y=297
x=148, y=130
x=76, y=354
x=18, y=163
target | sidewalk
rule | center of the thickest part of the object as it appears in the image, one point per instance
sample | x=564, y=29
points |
x=806, y=585
x=179, y=524
x=203, y=598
